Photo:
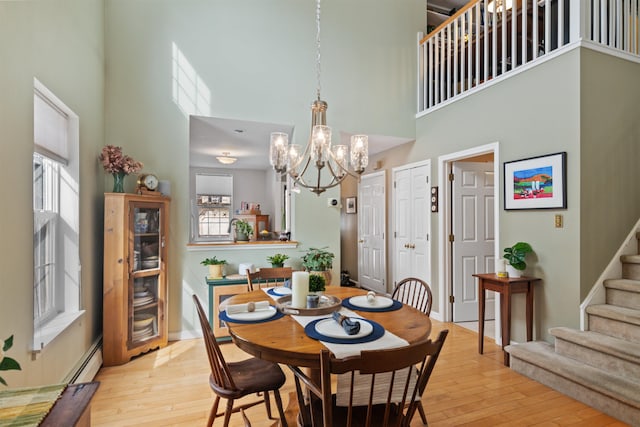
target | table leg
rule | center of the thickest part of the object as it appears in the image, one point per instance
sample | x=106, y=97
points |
x=529, y=311
x=481, y=293
x=505, y=303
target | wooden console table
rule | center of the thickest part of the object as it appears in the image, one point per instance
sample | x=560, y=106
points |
x=505, y=286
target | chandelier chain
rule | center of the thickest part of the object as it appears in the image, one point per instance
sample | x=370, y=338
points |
x=318, y=47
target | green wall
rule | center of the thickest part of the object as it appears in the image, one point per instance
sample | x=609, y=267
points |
x=610, y=155
x=257, y=61
x=60, y=43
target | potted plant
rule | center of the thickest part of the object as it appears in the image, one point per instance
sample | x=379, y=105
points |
x=215, y=267
x=319, y=260
x=277, y=260
x=317, y=283
x=515, y=258
x=244, y=230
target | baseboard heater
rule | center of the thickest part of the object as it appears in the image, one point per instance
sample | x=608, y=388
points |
x=88, y=366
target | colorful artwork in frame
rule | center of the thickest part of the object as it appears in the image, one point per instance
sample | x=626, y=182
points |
x=536, y=183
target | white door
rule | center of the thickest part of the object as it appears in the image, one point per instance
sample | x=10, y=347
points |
x=412, y=223
x=371, y=232
x=473, y=236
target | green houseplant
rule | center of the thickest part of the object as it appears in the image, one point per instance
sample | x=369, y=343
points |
x=277, y=260
x=317, y=283
x=215, y=267
x=7, y=363
x=515, y=256
x=319, y=260
x=244, y=230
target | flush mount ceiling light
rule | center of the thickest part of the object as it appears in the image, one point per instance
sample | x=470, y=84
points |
x=290, y=159
x=225, y=159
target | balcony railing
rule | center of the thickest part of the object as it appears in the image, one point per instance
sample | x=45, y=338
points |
x=484, y=40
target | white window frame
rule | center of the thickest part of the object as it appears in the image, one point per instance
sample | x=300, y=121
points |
x=57, y=298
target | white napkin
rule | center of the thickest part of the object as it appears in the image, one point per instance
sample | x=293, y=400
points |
x=244, y=308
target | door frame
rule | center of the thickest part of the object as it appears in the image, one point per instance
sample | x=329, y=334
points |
x=445, y=222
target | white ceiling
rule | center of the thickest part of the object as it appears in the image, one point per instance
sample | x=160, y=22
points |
x=249, y=142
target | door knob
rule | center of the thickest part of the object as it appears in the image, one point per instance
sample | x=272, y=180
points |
x=360, y=241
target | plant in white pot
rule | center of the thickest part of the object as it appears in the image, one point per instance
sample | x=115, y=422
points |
x=215, y=267
x=515, y=258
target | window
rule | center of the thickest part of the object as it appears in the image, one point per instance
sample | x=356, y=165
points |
x=212, y=207
x=56, y=259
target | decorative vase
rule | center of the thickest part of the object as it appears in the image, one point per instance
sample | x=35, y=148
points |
x=118, y=182
x=513, y=272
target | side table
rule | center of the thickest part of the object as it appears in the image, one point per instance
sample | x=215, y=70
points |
x=505, y=286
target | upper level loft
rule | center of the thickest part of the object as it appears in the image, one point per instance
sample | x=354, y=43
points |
x=486, y=40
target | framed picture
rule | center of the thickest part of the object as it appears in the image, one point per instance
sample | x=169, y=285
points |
x=536, y=183
x=351, y=205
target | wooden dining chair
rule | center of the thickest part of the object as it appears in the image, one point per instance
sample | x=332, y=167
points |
x=235, y=380
x=414, y=292
x=398, y=377
x=267, y=277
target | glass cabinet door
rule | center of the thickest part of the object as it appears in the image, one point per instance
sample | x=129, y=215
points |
x=144, y=292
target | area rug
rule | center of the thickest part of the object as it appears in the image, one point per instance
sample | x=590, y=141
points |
x=27, y=406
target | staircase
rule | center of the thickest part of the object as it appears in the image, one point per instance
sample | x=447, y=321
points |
x=600, y=366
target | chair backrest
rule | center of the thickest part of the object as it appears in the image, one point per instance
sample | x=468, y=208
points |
x=414, y=292
x=220, y=373
x=396, y=376
x=266, y=277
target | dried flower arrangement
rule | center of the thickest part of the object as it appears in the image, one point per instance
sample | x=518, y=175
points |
x=114, y=161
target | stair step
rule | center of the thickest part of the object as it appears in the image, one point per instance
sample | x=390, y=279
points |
x=611, y=354
x=630, y=266
x=620, y=322
x=611, y=394
x=623, y=292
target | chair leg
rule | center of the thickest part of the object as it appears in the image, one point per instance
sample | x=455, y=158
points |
x=247, y=423
x=283, y=419
x=267, y=403
x=423, y=416
x=228, y=412
x=214, y=410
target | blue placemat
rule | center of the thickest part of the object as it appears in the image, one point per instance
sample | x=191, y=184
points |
x=395, y=306
x=310, y=330
x=270, y=292
x=223, y=316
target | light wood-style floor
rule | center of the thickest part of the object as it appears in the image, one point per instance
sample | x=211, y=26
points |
x=169, y=387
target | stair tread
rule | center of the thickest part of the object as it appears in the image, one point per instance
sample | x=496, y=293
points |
x=624, y=314
x=623, y=284
x=543, y=355
x=630, y=259
x=603, y=343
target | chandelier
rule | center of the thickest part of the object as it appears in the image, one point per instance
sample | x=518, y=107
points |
x=299, y=165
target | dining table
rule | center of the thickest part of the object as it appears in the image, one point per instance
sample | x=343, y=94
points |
x=285, y=341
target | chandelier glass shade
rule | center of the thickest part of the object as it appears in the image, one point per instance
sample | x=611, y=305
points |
x=319, y=153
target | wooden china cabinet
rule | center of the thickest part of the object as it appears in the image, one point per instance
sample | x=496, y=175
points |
x=135, y=275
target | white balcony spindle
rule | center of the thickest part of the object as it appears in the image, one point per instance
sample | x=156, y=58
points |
x=456, y=43
x=524, y=15
x=477, y=43
x=469, y=43
x=547, y=26
x=494, y=43
x=536, y=39
x=486, y=40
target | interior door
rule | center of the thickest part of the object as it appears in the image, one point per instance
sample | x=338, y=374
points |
x=412, y=222
x=372, y=269
x=474, y=236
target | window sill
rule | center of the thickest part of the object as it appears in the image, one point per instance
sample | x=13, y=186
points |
x=226, y=246
x=45, y=334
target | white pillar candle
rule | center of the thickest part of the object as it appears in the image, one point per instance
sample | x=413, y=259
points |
x=501, y=265
x=299, y=289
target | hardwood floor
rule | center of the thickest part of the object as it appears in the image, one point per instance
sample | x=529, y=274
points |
x=169, y=387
